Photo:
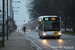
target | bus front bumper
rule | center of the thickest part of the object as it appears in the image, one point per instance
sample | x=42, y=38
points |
x=52, y=36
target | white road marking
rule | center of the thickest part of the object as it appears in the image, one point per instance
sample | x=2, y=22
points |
x=38, y=48
x=69, y=40
x=36, y=45
x=45, y=43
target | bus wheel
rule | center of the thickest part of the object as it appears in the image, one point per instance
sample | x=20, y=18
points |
x=42, y=37
x=58, y=37
x=39, y=36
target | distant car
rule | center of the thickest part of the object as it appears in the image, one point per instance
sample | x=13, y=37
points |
x=19, y=30
x=29, y=30
x=67, y=29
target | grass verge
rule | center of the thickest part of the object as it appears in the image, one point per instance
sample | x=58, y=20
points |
x=4, y=35
x=0, y=44
x=69, y=33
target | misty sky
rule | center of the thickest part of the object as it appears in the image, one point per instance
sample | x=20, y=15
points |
x=22, y=14
x=22, y=11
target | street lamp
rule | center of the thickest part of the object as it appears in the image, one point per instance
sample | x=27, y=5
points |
x=16, y=1
x=7, y=19
x=16, y=7
x=15, y=11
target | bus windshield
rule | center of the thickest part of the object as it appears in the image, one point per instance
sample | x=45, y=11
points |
x=52, y=25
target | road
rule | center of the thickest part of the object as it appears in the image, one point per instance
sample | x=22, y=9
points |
x=66, y=42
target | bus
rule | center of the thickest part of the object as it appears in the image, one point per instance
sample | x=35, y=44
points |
x=49, y=26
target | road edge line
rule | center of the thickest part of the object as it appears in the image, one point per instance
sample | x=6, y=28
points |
x=32, y=43
x=45, y=43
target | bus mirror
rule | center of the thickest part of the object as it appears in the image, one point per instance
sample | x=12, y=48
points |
x=41, y=22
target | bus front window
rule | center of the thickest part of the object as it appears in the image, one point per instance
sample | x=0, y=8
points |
x=52, y=26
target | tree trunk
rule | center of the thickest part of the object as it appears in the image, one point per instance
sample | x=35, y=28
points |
x=65, y=23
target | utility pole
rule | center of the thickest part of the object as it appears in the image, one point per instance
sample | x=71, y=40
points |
x=12, y=19
x=65, y=23
x=3, y=26
x=7, y=19
x=11, y=10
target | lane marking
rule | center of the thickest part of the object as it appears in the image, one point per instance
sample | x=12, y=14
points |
x=69, y=40
x=45, y=43
x=36, y=45
x=38, y=48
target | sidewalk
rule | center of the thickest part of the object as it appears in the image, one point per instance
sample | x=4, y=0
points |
x=16, y=42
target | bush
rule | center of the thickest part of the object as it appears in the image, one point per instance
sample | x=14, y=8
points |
x=73, y=33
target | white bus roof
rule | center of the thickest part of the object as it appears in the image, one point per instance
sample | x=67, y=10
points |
x=45, y=16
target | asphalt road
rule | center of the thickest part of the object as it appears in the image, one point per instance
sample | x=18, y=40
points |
x=66, y=42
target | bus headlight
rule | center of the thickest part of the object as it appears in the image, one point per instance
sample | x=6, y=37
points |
x=44, y=34
x=59, y=33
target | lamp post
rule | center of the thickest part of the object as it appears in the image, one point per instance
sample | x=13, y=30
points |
x=7, y=19
x=3, y=26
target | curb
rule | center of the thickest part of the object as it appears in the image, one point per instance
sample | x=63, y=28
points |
x=32, y=43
